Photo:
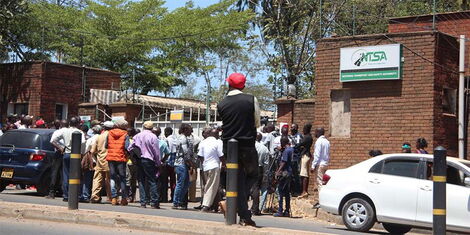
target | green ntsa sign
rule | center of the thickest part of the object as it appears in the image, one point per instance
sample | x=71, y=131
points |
x=370, y=63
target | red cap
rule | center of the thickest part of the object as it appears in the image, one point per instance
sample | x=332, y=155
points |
x=39, y=122
x=236, y=80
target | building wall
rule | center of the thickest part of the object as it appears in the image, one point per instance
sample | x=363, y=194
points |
x=45, y=84
x=384, y=114
x=62, y=84
x=454, y=24
x=20, y=83
x=303, y=111
x=446, y=77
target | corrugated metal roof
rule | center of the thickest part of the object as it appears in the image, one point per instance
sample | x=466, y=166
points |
x=108, y=97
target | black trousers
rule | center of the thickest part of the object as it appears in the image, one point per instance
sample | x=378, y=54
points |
x=255, y=191
x=56, y=170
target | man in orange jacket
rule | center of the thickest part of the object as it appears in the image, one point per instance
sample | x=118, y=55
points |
x=117, y=158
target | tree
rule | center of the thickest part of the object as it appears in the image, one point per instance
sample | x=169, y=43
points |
x=293, y=27
x=10, y=11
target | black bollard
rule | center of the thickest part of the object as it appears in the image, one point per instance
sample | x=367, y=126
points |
x=75, y=170
x=439, y=190
x=232, y=182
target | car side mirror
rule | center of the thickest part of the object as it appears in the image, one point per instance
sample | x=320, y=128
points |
x=467, y=181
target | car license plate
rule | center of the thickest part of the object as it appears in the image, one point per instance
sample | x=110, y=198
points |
x=7, y=173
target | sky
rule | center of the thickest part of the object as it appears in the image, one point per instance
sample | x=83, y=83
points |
x=200, y=85
x=173, y=4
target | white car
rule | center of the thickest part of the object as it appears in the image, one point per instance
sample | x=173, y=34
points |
x=396, y=190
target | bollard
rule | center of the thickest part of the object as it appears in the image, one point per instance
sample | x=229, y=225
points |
x=232, y=182
x=439, y=191
x=75, y=170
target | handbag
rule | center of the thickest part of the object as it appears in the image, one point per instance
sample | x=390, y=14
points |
x=87, y=162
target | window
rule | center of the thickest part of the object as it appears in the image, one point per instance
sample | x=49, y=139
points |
x=21, y=108
x=454, y=175
x=405, y=168
x=377, y=168
x=61, y=111
x=449, y=101
x=340, y=119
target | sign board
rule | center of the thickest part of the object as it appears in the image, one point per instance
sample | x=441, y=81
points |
x=85, y=118
x=177, y=115
x=115, y=118
x=381, y=62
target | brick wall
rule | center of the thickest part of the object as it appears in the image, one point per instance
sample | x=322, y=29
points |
x=303, y=111
x=384, y=114
x=454, y=24
x=45, y=84
x=446, y=76
x=62, y=84
x=20, y=82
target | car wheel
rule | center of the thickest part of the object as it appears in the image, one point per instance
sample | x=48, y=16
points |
x=396, y=228
x=358, y=215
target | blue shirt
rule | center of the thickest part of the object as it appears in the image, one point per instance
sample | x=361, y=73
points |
x=163, y=148
x=287, y=158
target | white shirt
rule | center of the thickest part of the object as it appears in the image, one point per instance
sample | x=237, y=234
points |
x=65, y=134
x=54, y=135
x=1, y=132
x=269, y=141
x=257, y=110
x=321, y=154
x=263, y=154
x=173, y=143
x=277, y=143
x=90, y=142
x=22, y=127
x=211, y=150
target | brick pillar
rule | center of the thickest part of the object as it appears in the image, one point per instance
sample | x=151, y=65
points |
x=285, y=110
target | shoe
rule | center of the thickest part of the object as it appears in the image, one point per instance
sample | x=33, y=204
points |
x=278, y=214
x=316, y=206
x=143, y=206
x=305, y=195
x=174, y=207
x=286, y=213
x=247, y=222
x=114, y=202
x=198, y=207
x=182, y=208
x=50, y=196
x=155, y=206
x=205, y=209
x=124, y=202
x=95, y=201
x=65, y=199
x=84, y=201
x=256, y=213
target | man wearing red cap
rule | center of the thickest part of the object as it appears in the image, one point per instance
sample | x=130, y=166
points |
x=240, y=117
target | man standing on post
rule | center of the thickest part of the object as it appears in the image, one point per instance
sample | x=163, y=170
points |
x=240, y=117
x=321, y=159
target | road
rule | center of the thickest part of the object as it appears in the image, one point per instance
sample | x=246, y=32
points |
x=27, y=227
x=23, y=196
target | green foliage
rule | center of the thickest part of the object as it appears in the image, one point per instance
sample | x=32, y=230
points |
x=152, y=48
x=292, y=28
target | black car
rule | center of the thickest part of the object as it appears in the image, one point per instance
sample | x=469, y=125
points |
x=26, y=158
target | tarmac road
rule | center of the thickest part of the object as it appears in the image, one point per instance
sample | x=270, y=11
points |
x=11, y=226
x=23, y=196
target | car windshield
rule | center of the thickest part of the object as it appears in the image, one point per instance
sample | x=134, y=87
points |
x=19, y=139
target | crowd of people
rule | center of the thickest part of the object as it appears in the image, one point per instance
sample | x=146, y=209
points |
x=118, y=159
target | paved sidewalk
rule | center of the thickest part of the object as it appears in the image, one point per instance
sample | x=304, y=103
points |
x=132, y=221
